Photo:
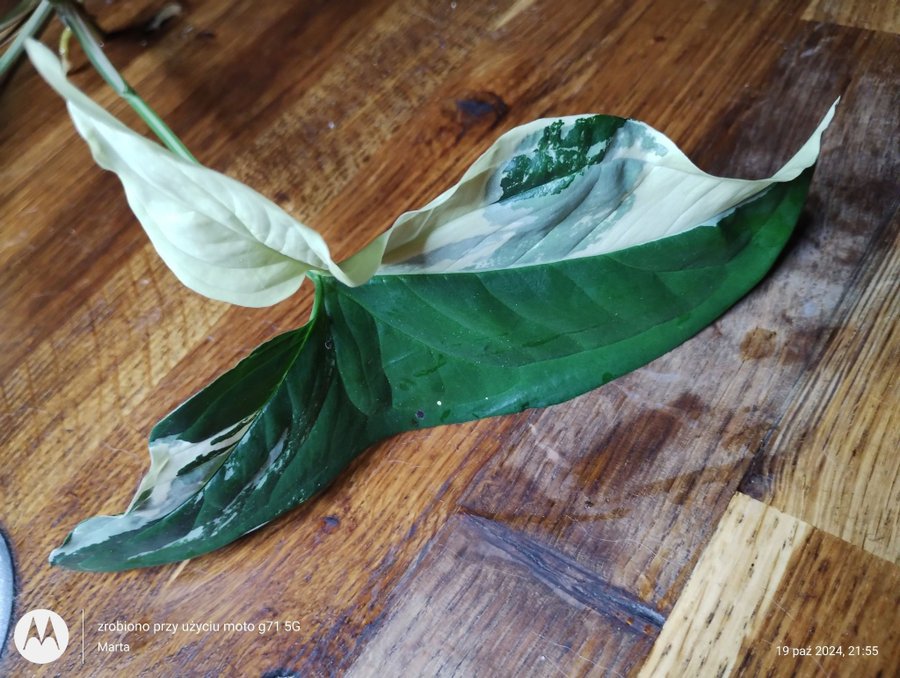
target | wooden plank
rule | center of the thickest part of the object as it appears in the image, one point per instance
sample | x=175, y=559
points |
x=833, y=595
x=767, y=589
x=876, y=16
x=834, y=463
x=731, y=588
x=486, y=600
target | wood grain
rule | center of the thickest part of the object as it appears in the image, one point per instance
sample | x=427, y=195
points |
x=827, y=465
x=731, y=589
x=826, y=576
x=767, y=582
x=554, y=541
x=876, y=16
x=516, y=607
x=831, y=460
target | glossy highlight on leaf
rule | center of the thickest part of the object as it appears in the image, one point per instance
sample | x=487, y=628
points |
x=571, y=252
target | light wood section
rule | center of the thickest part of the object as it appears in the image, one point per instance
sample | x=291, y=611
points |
x=771, y=595
x=552, y=541
x=836, y=601
x=876, y=15
x=731, y=589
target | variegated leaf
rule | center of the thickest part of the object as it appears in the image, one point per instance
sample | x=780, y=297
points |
x=571, y=252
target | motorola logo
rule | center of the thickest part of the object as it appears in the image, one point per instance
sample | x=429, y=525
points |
x=41, y=636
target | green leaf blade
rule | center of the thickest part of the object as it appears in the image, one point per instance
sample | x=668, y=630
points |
x=392, y=356
x=296, y=443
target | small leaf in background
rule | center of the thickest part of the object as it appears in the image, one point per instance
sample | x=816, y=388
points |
x=573, y=251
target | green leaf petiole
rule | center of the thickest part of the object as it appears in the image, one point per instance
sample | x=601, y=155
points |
x=77, y=20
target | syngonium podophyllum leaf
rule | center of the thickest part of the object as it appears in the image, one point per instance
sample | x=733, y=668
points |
x=571, y=252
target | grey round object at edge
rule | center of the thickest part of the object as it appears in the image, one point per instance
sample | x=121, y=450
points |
x=6, y=590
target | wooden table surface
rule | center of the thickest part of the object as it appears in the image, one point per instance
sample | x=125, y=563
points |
x=736, y=497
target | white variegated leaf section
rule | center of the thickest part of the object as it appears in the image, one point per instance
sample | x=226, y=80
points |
x=220, y=237
x=644, y=189
x=178, y=470
x=226, y=241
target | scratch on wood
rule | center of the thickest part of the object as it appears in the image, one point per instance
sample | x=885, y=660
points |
x=625, y=540
x=569, y=578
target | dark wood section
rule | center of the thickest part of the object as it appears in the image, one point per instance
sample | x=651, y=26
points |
x=736, y=494
x=487, y=599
